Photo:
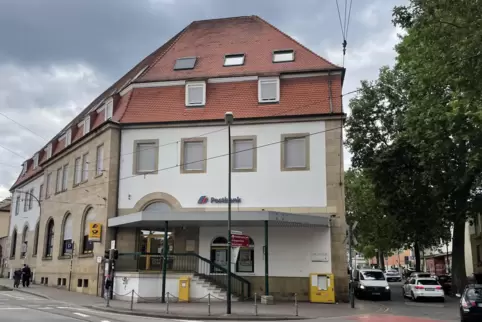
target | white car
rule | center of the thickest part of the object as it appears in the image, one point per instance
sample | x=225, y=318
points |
x=418, y=288
x=371, y=283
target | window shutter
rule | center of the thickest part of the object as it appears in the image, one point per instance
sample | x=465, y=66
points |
x=295, y=152
x=193, y=155
x=195, y=94
x=268, y=90
x=243, y=154
x=146, y=157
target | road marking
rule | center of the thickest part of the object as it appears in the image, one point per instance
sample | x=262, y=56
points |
x=12, y=296
x=81, y=314
x=12, y=308
x=105, y=321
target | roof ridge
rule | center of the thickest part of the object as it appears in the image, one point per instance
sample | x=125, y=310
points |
x=289, y=37
x=224, y=18
x=174, y=41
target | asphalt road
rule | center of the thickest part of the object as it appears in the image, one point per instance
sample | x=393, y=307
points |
x=436, y=311
x=17, y=306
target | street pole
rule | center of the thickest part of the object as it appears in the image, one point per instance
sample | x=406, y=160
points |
x=164, y=261
x=229, y=118
x=350, y=289
x=71, y=260
x=109, y=275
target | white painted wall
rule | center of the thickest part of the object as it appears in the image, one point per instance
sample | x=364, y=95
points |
x=30, y=216
x=267, y=187
x=290, y=249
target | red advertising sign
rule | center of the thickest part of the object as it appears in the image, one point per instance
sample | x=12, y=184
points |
x=239, y=240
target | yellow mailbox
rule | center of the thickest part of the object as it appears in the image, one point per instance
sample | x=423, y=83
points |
x=322, y=288
x=184, y=287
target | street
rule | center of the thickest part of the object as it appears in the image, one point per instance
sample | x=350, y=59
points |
x=436, y=311
x=17, y=306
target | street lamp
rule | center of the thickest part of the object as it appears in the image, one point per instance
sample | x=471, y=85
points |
x=229, y=119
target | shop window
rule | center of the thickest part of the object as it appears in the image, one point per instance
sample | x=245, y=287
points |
x=67, y=232
x=90, y=217
x=13, y=245
x=49, y=238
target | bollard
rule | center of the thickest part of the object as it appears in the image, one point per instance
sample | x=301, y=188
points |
x=107, y=297
x=132, y=300
x=167, y=303
x=296, y=305
x=255, y=304
x=209, y=304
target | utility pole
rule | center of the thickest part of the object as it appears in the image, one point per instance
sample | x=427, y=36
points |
x=351, y=240
x=109, y=275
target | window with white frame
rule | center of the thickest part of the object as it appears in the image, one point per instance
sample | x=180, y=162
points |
x=48, y=150
x=109, y=109
x=58, y=181
x=193, y=155
x=295, y=154
x=234, y=60
x=99, y=169
x=68, y=137
x=195, y=94
x=48, y=185
x=86, y=124
x=268, y=90
x=85, y=167
x=25, y=201
x=146, y=156
x=65, y=176
x=17, y=206
x=40, y=192
x=78, y=170
x=30, y=199
x=244, y=153
x=24, y=168
x=35, y=161
x=281, y=56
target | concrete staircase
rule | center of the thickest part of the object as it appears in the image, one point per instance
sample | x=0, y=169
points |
x=217, y=293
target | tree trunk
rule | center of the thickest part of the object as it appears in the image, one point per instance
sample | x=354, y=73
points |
x=382, y=261
x=459, y=274
x=416, y=250
x=378, y=258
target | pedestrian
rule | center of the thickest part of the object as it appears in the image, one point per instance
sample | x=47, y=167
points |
x=26, y=272
x=17, y=275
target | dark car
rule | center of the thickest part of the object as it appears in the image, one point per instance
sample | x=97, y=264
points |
x=471, y=303
x=446, y=282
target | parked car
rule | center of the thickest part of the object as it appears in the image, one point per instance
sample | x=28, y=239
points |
x=471, y=303
x=420, y=275
x=371, y=283
x=446, y=282
x=393, y=275
x=417, y=288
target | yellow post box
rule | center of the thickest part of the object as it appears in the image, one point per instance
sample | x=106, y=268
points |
x=322, y=288
x=184, y=288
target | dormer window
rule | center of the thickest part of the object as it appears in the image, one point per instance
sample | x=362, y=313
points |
x=281, y=56
x=185, y=63
x=196, y=94
x=68, y=137
x=109, y=109
x=86, y=127
x=268, y=90
x=48, y=150
x=234, y=60
x=35, y=161
x=24, y=168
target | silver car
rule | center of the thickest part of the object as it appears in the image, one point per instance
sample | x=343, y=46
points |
x=393, y=275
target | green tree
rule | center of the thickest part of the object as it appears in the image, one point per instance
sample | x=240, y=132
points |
x=377, y=138
x=441, y=52
x=375, y=231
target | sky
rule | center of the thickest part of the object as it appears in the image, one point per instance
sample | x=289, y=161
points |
x=57, y=56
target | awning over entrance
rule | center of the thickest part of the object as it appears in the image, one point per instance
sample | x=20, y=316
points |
x=150, y=219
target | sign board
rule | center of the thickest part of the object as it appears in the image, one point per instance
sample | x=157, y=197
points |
x=205, y=199
x=95, y=231
x=112, y=244
x=239, y=240
x=319, y=257
x=69, y=247
x=99, y=259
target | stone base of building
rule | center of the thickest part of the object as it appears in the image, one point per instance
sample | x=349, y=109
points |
x=81, y=283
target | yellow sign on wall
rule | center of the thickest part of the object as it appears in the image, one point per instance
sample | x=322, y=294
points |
x=95, y=231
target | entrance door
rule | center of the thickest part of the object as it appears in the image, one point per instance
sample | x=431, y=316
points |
x=152, y=247
x=219, y=253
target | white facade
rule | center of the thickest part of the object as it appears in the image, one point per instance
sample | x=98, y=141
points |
x=268, y=186
x=25, y=215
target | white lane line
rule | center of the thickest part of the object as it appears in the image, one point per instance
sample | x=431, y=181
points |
x=13, y=308
x=12, y=296
x=81, y=314
x=105, y=321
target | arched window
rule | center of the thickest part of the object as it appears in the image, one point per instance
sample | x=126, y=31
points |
x=49, y=238
x=158, y=206
x=23, y=252
x=13, y=243
x=35, y=240
x=67, y=234
x=88, y=246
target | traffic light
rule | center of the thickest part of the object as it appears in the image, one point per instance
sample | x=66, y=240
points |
x=106, y=254
x=116, y=254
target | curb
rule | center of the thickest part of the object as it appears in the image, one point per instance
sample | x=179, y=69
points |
x=27, y=292
x=233, y=317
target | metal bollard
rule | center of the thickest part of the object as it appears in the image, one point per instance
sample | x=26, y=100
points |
x=255, y=304
x=209, y=304
x=132, y=300
x=167, y=303
x=296, y=305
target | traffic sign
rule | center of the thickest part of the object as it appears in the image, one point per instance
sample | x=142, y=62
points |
x=69, y=247
x=239, y=240
x=95, y=231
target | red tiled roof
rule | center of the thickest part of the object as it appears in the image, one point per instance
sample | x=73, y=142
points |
x=211, y=40
x=298, y=96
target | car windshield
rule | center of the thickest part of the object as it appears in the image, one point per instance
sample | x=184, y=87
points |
x=392, y=272
x=474, y=294
x=373, y=275
x=427, y=282
x=423, y=275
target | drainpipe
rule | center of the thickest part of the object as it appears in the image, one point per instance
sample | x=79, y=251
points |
x=330, y=97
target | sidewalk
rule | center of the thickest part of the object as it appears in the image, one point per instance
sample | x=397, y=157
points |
x=200, y=311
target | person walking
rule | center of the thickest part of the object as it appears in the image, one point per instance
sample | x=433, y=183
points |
x=26, y=272
x=17, y=276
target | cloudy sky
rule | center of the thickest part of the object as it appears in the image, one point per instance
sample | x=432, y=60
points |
x=56, y=55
